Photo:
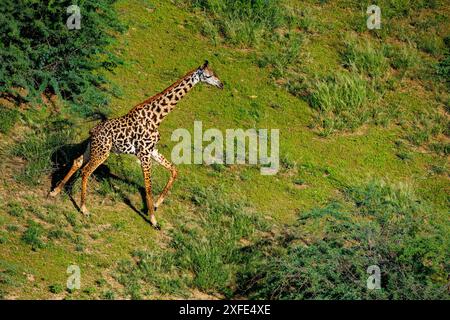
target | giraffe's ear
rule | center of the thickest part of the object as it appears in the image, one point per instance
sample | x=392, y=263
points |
x=205, y=64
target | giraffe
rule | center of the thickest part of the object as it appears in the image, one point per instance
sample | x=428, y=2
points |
x=137, y=133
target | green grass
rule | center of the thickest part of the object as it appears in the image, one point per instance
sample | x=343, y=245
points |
x=365, y=58
x=10, y=277
x=242, y=23
x=345, y=101
x=283, y=52
x=443, y=67
x=15, y=209
x=442, y=148
x=374, y=117
x=426, y=126
x=56, y=288
x=430, y=43
x=33, y=235
x=8, y=119
x=108, y=295
x=38, y=148
x=403, y=58
x=201, y=249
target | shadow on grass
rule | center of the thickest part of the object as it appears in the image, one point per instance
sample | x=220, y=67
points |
x=62, y=161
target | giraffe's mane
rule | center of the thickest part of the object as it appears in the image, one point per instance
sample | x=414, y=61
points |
x=176, y=83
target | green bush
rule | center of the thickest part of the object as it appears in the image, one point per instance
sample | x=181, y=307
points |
x=381, y=225
x=41, y=55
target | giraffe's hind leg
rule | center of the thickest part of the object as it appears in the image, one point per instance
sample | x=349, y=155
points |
x=77, y=164
x=145, y=160
x=98, y=156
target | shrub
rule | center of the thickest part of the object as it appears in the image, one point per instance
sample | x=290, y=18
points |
x=383, y=226
x=40, y=54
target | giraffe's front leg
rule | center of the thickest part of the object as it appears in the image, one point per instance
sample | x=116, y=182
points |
x=146, y=170
x=158, y=157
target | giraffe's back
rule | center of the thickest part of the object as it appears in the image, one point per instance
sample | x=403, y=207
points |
x=125, y=135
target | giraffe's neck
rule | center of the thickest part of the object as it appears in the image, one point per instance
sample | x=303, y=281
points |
x=159, y=106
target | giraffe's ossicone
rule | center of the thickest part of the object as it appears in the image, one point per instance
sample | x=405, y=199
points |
x=137, y=133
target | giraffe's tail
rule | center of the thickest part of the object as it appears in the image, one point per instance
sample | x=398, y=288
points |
x=95, y=117
x=87, y=153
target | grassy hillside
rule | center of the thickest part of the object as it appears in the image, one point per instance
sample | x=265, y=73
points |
x=363, y=119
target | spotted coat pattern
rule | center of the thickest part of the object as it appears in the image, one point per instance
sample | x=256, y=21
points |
x=137, y=133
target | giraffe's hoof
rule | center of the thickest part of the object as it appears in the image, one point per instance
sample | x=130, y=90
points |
x=53, y=193
x=154, y=223
x=85, y=211
x=157, y=226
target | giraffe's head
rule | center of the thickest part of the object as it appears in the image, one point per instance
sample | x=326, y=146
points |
x=207, y=75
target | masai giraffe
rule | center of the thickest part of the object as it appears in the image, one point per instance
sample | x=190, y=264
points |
x=137, y=133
